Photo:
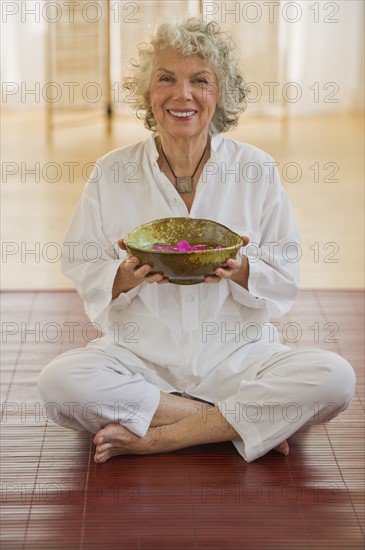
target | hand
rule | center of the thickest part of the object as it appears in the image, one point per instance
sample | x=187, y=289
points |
x=237, y=269
x=133, y=266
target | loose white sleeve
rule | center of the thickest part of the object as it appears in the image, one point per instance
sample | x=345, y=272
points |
x=274, y=258
x=91, y=259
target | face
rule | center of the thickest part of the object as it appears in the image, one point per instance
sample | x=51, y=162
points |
x=183, y=94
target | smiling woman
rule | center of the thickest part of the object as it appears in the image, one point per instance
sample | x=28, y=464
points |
x=183, y=97
x=214, y=48
x=188, y=90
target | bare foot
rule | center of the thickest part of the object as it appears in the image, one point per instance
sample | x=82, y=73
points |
x=114, y=439
x=283, y=448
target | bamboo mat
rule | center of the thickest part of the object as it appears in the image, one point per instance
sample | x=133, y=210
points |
x=54, y=497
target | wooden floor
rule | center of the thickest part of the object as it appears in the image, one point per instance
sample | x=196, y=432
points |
x=320, y=161
x=207, y=497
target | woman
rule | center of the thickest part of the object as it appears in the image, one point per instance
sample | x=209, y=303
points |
x=165, y=344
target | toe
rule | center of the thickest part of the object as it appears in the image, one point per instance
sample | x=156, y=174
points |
x=98, y=439
x=283, y=448
x=100, y=458
x=104, y=447
x=96, y=457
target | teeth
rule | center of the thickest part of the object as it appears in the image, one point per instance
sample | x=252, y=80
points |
x=182, y=115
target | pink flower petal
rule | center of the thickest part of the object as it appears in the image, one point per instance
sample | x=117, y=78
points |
x=182, y=246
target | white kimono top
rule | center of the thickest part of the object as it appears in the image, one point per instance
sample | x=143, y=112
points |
x=183, y=332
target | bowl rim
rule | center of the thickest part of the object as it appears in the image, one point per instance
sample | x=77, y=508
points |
x=231, y=247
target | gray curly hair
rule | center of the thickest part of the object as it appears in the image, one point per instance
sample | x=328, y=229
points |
x=189, y=37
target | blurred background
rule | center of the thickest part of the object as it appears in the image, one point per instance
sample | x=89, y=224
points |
x=63, y=107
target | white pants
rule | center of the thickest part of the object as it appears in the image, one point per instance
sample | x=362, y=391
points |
x=265, y=400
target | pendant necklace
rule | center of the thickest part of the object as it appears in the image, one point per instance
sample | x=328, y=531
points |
x=184, y=184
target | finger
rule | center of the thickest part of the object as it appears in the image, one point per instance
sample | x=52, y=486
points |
x=121, y=244
x=223, y=273
x=245, y=240
x=212, y=279
x=233, y=264
x=220, y=273
x=142, y=271
x=156, y=278
x=130, y=264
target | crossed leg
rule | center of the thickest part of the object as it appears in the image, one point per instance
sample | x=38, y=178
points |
x=177, y=423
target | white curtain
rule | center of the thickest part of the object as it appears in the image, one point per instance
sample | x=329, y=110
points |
x=300, y=57
x=23, y=55
x=326, y=56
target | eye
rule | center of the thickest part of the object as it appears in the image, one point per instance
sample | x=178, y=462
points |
x=201, y=80
x=165, y=78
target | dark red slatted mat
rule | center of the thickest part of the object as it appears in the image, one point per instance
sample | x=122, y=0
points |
x=54, y=497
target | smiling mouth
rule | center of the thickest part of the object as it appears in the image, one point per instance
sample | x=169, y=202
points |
x=181, y=114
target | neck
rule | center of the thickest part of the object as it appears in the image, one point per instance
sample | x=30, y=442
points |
x=182, y=154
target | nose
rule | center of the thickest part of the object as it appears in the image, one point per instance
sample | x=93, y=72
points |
x=182, y=90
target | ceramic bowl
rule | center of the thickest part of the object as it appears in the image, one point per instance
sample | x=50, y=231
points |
x=183, y=268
